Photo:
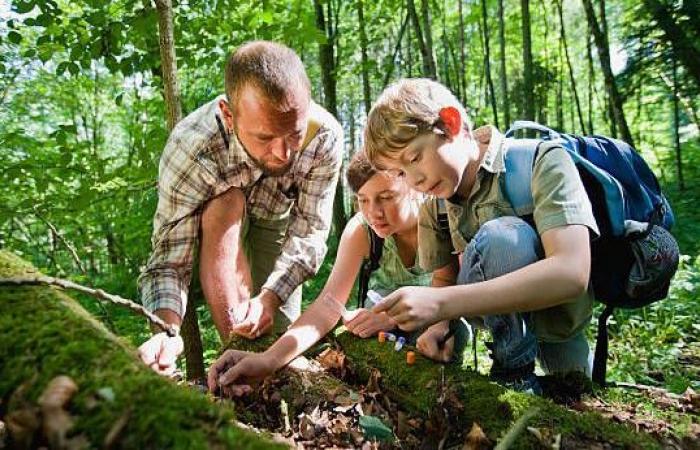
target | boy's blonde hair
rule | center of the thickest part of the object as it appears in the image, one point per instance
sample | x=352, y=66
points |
x=406, y=110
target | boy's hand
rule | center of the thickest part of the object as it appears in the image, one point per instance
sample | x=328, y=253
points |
x=235, y=372
x=413, y=307
x=429, y=343
x=366, y=324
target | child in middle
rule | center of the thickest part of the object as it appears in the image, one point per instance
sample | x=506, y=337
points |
x=390, y=208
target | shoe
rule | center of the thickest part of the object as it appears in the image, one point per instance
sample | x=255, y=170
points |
x=521, y=379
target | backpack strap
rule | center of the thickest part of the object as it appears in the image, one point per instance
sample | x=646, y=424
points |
x=369, y=265
x=600, y=360
x=311, y=131
x=443, y=221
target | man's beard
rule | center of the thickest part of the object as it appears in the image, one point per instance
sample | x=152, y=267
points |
x=270, y=171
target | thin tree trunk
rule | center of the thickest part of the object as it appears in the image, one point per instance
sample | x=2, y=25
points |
x=604, y=56
x=568, y=63
x=462, y=55
x=366, y=89
x=487, y=63
x=591, y=80
x=190, y=328
x=171, y=87
x=428, y=34
x=326, y=58
x=560, y=89
x=676, y=125
x=504, y=73
x=397, y=47
x=528, y=82
x=426, y=54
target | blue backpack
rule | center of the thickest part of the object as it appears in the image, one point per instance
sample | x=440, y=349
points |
x=635, y=257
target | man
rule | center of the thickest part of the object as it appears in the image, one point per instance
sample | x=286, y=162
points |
x=249, y=179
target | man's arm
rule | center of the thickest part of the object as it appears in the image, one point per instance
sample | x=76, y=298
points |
x=305, y=244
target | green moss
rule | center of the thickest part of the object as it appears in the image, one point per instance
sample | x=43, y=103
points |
x=417, y=388
x=44, y=333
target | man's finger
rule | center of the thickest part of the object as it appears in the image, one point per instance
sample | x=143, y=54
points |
x=219, y=365
x=148, y=351
x=387, y=302
x=169, y=351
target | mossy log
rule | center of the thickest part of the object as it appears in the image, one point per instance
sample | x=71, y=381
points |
x=119, y=402
x=467, y=397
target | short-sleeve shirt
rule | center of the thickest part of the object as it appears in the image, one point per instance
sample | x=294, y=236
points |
x=559, y=199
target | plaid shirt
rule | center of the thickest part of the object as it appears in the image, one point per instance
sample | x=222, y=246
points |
x=196, y=166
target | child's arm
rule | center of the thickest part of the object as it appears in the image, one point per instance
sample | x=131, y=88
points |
x=560, y=277
x=312, y=325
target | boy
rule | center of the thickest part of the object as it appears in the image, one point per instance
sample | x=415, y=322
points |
x=526, y=285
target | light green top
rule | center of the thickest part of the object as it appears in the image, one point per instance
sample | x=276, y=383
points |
x=559, y=199
x=392, y=273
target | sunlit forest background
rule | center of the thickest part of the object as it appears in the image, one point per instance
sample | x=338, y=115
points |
x=83, y=118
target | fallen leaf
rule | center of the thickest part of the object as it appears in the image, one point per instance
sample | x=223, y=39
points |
x=56, y=420
x=546, y=437
x=106, y=393
x=476, y=439
x=332, y=359
x=22, y=424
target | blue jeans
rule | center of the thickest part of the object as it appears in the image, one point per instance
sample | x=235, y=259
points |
x=502, y=246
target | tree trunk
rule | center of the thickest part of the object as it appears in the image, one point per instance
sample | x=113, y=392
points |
x=568, y=63
x=193, y=350
x=610, y=86
x=397, y=47
x=503, y=72
x=428, y=35
x=426, y=54
x=462, y=56
x=560, y=88
x=366, y=90
x=685, y=48
x=528, y=82
x=44, y=333
x=330, y=101
x=487, y=63
x=676, y=125
x=171, y=87
x=591, y=79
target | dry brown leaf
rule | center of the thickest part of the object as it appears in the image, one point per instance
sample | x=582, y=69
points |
x=332, y=359
x=56, y=420
x=22, y=424
x=476, y=439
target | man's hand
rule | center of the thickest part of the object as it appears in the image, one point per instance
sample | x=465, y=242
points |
x=260, y=317
x=413, y=307
x=160, y=352
x=429, y=342
x=366, y=324
x=235, y=372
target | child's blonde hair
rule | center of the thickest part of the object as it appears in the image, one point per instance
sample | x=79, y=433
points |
x=406, y=110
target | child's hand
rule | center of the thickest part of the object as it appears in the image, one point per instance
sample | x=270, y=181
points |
x=235, y=372
x=366, y=324
x=412, y=307
x=429, y=343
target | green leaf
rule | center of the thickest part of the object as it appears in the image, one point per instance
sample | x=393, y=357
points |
x=14, y=37
x=23, y=7
x=373, y=428
x=73, y=69
x=119, y=99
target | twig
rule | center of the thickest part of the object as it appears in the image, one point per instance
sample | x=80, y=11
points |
x=517, y=428
x=644, y=387
x=63, y=240
x=97, y=293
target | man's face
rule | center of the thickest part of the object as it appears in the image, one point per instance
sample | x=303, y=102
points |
x=432, y=164
x=271, y=133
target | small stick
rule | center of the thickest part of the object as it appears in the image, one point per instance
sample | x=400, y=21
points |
x=517, y=428
x=97, y=293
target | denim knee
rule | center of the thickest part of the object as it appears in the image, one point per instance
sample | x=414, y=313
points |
x=500, y=246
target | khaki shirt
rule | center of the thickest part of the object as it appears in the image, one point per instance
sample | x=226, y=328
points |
x=559, y=199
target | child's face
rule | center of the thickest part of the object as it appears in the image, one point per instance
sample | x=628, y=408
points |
x=387, y=204
x=433, y=164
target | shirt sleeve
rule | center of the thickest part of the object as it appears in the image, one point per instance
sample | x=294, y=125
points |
x=310, y=219
x=434, y=244
x=184, y=186
x=558, y=193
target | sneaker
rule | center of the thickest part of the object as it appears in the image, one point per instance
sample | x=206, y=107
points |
x=521, y=379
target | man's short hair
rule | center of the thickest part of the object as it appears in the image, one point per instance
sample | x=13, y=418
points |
x=272, y=68
x=406, y=110
x=359, y=171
